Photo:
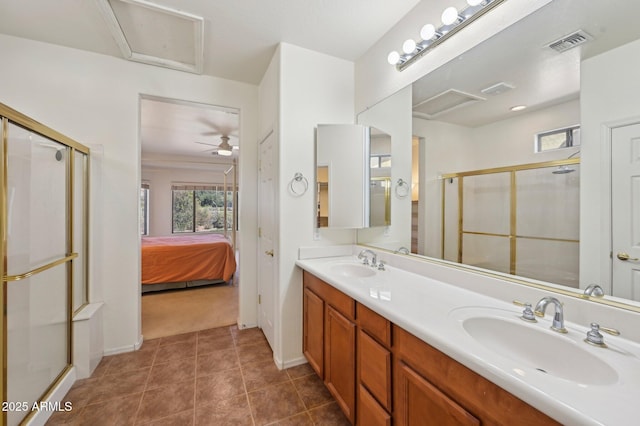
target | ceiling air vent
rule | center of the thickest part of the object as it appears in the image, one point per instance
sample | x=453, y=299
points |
x=570, y=41
x=444, y=102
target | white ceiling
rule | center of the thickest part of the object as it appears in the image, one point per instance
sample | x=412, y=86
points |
x=240, y=36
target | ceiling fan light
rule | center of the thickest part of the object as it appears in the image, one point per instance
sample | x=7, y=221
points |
x=224, y=152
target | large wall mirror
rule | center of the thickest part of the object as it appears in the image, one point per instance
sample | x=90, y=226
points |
x=527, y=191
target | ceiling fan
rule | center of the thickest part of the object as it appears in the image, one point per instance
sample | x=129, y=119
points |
x=223, y=148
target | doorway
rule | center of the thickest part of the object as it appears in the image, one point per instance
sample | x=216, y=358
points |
x=190, y=154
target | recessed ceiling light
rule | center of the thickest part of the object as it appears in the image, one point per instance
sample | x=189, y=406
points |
x=518, y=108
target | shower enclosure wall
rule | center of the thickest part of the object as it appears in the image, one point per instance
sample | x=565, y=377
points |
x=43, y=210
x=522, y=220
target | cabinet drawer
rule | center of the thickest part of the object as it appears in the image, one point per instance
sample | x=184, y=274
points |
x=375, y=369
x=370, y=413
x=375, y=324
x=340, y=301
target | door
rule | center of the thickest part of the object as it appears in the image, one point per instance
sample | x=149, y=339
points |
x=625, y=211
x=340, y=360
x=266, y=224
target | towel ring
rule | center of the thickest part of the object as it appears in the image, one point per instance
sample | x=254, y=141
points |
x=298, y=181
x=402, y=188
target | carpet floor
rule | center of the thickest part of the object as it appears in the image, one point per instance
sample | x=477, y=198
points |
x=171, y=312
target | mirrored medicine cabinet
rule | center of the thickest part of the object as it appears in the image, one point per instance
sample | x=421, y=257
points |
x=353, y=176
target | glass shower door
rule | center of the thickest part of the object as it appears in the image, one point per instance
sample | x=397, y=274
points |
x=38, y=264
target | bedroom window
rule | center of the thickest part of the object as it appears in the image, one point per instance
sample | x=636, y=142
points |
x=201, y=209
x=144, y=209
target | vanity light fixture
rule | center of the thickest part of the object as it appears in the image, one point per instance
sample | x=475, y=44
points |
x=452, y=22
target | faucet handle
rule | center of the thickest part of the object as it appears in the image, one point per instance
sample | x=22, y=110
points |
x=594, y=337
x=381, y=265
x=527, y=313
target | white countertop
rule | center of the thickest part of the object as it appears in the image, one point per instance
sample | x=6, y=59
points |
x=433, y=311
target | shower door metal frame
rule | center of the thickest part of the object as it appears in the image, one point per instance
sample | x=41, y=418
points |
x=513, y=235
x=9, y=115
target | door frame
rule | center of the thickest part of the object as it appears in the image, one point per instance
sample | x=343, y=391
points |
x=606, y=237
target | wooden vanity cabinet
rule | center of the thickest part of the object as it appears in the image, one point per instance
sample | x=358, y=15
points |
x=431, y=388
x=381, y=375
x=329, y=318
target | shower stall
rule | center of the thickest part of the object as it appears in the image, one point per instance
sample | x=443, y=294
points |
x=43, y=215
x=521, y=220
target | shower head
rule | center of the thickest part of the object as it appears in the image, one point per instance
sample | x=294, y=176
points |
x=563, y=170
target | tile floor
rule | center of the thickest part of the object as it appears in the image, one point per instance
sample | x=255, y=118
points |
x=221, y=376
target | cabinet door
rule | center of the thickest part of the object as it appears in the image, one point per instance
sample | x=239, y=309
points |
x=340, y=357
x=420, y=403
x=313, y=331
x=370, y=413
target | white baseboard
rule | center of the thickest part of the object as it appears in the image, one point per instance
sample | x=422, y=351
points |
x=290, y=363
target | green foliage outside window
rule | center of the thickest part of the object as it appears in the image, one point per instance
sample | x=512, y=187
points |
x=201, y=210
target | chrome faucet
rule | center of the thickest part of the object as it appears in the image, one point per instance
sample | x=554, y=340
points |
x=594, y=290
x=363, y=255
x=558, y=317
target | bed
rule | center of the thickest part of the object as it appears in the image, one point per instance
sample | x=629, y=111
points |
x=185, y=261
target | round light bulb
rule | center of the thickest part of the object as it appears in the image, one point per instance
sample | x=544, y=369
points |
x=393, y=58
x=474, y=2
x=428, y=32
x=450, y=15
x=409, y=46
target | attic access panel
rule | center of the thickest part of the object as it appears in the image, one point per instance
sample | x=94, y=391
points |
x=444, y=102
x=156, y=35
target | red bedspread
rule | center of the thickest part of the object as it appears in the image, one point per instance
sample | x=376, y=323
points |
x=187, y=258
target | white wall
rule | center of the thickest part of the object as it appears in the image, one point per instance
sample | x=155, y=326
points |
x=376, y=79
x=95, y=100
x=610, y=92
x=313, y=88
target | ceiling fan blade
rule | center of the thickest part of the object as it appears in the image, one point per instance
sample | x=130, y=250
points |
x=211, y=134
x=204, y=143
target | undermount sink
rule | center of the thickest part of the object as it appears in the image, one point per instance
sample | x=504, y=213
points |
x=353, y=270
x=533, y=346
